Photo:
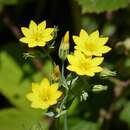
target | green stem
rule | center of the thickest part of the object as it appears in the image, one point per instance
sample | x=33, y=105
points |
x=63, y=102
x=62, y=71
x=65, y=122
x=65, y=98
x=63, y=80
x=51, y=73
x=57, y=124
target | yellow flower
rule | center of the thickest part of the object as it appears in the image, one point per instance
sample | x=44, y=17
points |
x=91, y=45
x=83, y=65
x=36, y=35
x=44, y=95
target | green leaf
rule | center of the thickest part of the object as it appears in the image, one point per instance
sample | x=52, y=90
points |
x=109, y=29
x=98, y=6
x=14, y=88
x=89, y=23
x=78, y=124
x=127, y=62
x=74, y=83
x=83, y=83
x=120, y=103
x=73, y=108
x=13, y=119
x=125, y=114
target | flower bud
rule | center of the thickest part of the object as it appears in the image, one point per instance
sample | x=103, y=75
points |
x=84, y=96
x=64, y=47
x=107, y=73
x=98, y=88
x=56, y=73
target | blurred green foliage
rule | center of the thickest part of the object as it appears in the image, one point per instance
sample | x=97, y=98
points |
x=14, y=86
x=98, y=6
x=76, y=124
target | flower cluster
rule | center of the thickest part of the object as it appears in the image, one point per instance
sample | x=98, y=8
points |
x=84, y=61
x=87, y=55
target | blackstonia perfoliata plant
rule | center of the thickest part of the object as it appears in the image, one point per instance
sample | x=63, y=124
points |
x=57, y=90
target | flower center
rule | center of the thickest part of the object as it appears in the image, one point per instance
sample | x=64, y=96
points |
x=91, y=47
x=45, y=99
x=37, y=36
x=44, y=96
x=85, y=66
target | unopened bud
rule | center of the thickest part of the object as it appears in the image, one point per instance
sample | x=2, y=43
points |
x=84, y=96
x=107, y=73
x=66, y=37
x=98, y=88
x=56, y=73
x=64, y=47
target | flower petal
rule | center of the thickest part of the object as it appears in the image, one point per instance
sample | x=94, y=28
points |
x=41, y=43
x=32, y=44
x=32, y=25
x=42, y=26
x=57, y=94
x=97, y=61
x=25, y=31
x=105, y=49
x=52, y=102
x=35, y=87
x=24, y=40
x=83, y=33
x=40, y=105
x=89, y=73
x=47, y=38
x=76, y=40
x=95, y=34
x=103, y=40
x=55, y=86
x=48, y=31
x=32, y=97
x=45, y=82
x=71, y=59
x=98, y=69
